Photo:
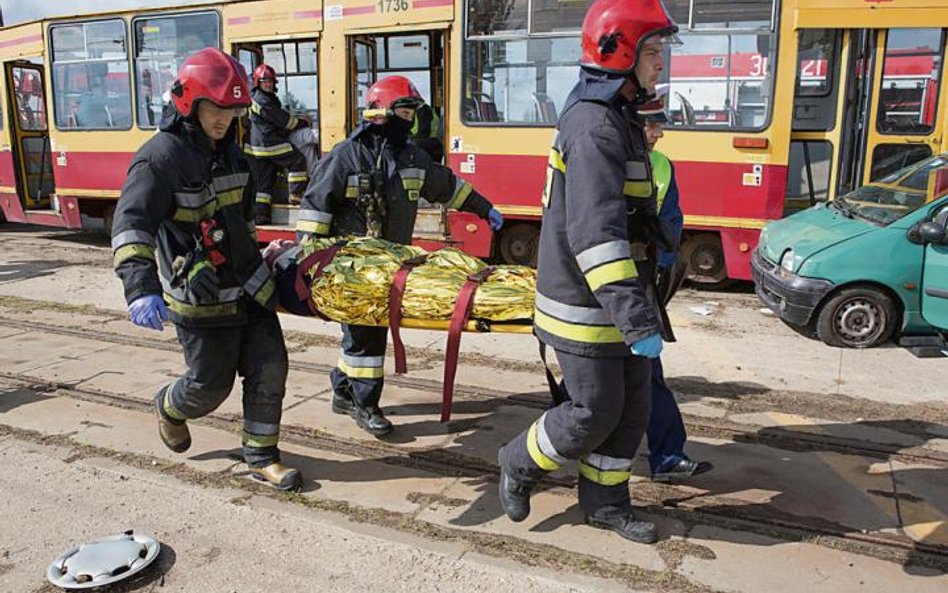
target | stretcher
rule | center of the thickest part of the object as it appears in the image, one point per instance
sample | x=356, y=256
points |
x=367, y=281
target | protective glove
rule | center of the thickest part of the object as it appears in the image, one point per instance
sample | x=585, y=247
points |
x=148, y=311
x=496, y=219
x=203, y=283
x=649, y=347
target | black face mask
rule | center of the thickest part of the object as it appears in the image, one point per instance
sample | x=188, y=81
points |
x=396, y=130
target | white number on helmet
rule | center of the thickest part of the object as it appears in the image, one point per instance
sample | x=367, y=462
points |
x=238, y=93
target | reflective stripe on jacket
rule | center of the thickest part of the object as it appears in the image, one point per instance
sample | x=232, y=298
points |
x=270, y=125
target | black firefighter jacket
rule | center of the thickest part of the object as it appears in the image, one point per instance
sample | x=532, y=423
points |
x=591, y=293
x=270, y=125
x=176, y=181
x=331, y=206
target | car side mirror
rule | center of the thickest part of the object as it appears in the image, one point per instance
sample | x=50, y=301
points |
x=926, y=232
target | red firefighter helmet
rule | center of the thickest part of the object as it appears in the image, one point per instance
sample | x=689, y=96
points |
x=614, y=31
x=387, y=94
x=261, y=72
x=212, y=75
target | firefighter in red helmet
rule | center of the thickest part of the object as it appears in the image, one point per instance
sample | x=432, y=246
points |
x=370, y=184
x=278, y=139
x=595, y=301
x=184, y=246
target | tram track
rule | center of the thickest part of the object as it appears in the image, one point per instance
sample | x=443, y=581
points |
x=782, y=438
x=660, y=499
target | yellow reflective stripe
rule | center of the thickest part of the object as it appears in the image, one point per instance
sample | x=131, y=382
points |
x=259, y=441
x=361, y=372
x=263, y=198
x=189, y=310
x=352, y=192
x=461, y=195
x=223, y=199
x=556, y=160
x=312, y=226
x=638, y=189
x=131, y=250
x=294, y=177
x=538, y=456
x=279, y=149
x=622, y=269
x=263, y=295
x=291, y=123
x=412, y=183
x=230, y=197
x=589, y=334
x=606, y=478
x=198, y=267
x=167, y=407
x=255, y=107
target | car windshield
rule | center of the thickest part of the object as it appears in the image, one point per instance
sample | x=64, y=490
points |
x=901, y=193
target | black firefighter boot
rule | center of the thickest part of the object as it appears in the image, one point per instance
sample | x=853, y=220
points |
x=514, y=494
x=279, y=476
x=371, y=420
x=174, y=433
x=623, y=522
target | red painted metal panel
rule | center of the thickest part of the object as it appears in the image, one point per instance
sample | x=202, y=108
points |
x=93, y=170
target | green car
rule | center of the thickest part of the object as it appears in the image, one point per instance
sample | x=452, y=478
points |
x=855, y=270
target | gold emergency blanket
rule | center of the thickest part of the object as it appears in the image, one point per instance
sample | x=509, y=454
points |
x=354, y=287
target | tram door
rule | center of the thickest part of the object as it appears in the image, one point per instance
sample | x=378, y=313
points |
x=30, y=133
x=417, y=55
x=866, y=103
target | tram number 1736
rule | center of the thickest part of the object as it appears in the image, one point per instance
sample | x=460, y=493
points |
x=393, y=6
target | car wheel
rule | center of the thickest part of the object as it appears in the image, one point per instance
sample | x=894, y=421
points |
x=857, y=318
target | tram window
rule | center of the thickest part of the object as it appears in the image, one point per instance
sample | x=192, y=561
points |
x=556, y=16
x=810, y=160
x=721, y=80
x=161, y=45
x=735, y=14
x=816, y=59
x=408, y=56
x=911, y=77
x=889, y=158
x=91, y=86
x=489, y=17
x=30, y=99
x=519, y=81
x=297, y=71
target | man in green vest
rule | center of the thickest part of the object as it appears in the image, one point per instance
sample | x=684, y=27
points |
x=426, y=132
x=666, y=430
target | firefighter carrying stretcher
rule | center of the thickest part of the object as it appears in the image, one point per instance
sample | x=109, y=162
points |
x=370, y=185
x=278, y=139
x=188, y=196
x=596, y=302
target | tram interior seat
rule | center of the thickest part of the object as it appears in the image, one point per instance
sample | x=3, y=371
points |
x=546, y=108
x=486, y=108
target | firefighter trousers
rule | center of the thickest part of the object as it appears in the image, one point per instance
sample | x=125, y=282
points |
x=300, y=165
x=215, y=356
x=360, y=372
x=601, y=425
x=666, y=429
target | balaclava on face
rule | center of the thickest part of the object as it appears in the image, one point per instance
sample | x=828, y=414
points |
x=397, y=130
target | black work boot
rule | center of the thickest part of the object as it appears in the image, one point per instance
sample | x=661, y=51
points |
x=371, y=420
x=342, y=402
x=514, y=495
x=623, y=522
x=174, y=433
x=279, y=476
x=684, y=469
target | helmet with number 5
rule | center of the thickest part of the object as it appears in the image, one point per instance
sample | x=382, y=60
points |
x=614, y=32
x=210, y=75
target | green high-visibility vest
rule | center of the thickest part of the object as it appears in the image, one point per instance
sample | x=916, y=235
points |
x=661, y=174
x=435, y=124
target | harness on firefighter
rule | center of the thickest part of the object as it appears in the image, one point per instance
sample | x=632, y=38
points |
x=372, y=197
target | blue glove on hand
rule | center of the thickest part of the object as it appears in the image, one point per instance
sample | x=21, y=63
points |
x=148, y=311
x=649, y=347
x=496, y=219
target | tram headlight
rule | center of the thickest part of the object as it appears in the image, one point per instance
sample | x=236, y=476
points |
x=786, y=263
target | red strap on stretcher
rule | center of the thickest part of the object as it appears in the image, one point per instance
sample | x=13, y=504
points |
x=395, y=295
x=462, y=312
x=318, y=259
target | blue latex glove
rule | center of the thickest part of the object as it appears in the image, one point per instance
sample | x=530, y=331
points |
x=496, y=219
x=649, y=347
x=148, y=311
